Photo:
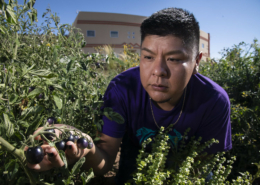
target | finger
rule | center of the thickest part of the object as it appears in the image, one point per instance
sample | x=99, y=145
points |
x=54, y=157
x=73, y=153
x=51, y=160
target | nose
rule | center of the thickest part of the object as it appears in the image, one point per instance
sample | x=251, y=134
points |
x=159, y=67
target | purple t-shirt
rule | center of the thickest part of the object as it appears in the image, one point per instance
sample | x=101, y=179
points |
x=206, y=111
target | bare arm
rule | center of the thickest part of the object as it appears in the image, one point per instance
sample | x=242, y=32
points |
x=102, y=156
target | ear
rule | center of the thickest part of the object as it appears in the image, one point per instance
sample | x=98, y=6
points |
x=196, y=67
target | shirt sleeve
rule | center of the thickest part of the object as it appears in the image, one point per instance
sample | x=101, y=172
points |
x=217, y=124
x=113, y=98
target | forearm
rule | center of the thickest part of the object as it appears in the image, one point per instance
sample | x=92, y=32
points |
x=98, y=160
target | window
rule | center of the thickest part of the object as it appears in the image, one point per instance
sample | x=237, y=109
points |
x=133, y=37
x=133, y=33
x=202, y=45
x=129, y=33
x=91, y=33
x=128, y=37
x=114, y=34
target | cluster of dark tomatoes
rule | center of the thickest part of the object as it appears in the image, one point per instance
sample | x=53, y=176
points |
x=35, y=155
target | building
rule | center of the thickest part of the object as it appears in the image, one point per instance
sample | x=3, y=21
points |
x=119, y=29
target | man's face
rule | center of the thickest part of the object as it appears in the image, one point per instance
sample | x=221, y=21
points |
x=166, y=67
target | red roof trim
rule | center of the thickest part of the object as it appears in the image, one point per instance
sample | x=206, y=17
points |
x=203, y=38
x=108, y=22
x=136, y=46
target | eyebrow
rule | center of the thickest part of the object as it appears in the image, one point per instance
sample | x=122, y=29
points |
x=169, y=53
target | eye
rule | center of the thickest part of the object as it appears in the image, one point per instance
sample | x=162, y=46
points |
x=148, y=57
x=174, y=60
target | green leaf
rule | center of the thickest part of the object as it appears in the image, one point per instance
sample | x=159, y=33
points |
x=2, y=85
x=43, y=15
x=117, y=118
x=76, y=168
x=57, y=101
x=69, y=65
x=35, y=92
x=26, y=70
x=13, y=98
x=8, y=126
x=19, y=135
x=83, y=65
x=23, y=123
x=97, y=139
x=3, y=29
x=11, y=17
x=35, y=124
x=43, y=73
x=56, y=86
x=85, y=179
x=67, y=182
x=63, y=158
x=9, y=164
x=108, y=109
x=110, y=114
x=16, y=167
x=107, y=115
x=32, y=111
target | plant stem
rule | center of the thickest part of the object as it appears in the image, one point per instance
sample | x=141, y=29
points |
x=16, y=46
x=19, y=154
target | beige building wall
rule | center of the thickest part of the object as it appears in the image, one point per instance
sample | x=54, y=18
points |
x=127, y=27
x=204, y=45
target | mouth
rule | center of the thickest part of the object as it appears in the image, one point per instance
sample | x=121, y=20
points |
x=158, y=87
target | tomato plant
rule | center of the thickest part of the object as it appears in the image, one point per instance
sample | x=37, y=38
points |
x=45, y=78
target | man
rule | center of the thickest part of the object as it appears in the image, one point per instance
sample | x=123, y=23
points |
x=165, y=90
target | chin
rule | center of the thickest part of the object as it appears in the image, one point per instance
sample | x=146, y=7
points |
x=160, y=100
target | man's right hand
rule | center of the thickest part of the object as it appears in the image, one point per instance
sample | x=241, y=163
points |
x=51, y=156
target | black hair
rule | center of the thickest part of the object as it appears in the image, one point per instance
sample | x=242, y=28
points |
x=173, y=21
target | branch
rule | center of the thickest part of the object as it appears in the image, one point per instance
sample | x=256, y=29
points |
x=20, y=155
x=4, y=99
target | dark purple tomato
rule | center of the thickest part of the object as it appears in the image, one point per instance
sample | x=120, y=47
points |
x=51, y=120
x=100, y=97
x=76, y=138
x=83, y=43
x=82, y=142
x=97, y=64
x=61, y=145
x=51, y=88
x=34, y=155
x=49, y=136
x=86, y=109
x=94, y=74
x=90, y=145
x=72, y=99
x=31, y=89
x=40, y=96
x=71, y=138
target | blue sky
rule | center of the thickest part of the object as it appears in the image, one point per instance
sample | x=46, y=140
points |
x=228, y=21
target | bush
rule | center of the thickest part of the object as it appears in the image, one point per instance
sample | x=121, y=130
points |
x=44, y=74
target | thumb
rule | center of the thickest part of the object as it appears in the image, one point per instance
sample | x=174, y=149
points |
x=54, y=157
